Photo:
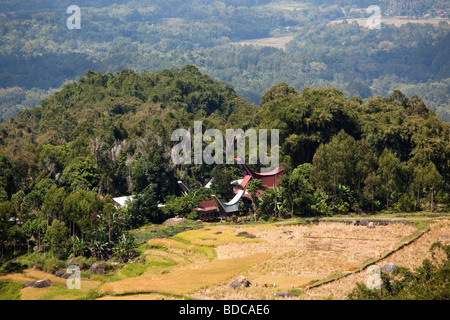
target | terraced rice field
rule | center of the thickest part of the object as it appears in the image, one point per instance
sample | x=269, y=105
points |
x=202, y=263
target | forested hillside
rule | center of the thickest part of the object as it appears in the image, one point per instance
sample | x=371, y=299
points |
x=110, y=135
x=39, y=53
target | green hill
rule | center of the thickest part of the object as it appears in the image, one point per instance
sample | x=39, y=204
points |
x=110, y=134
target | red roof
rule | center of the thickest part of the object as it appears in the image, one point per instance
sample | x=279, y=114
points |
x=243, y=183
x=203, y=206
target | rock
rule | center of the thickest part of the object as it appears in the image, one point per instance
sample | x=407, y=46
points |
x=66, y=275
x=389, y=267
x=38, y=284
x=29, y=284
x=96, y=269
x=174, y=221
x=240, y=283
x=59, y=273
x=354, y=223
x=218, y=232
x=245, y=234
x=43, y=283
x=284, y=294
x=72, y=261
x=370, y=225
x=364, y=222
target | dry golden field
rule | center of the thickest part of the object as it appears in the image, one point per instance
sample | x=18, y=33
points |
x=324, y=260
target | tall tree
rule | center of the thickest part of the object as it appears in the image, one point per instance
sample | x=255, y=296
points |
x=389, y=168
x=432, y=180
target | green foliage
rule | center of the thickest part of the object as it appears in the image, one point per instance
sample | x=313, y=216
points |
x=81, y=207
x=81, y=173
x=109, y=135
x=202, y=33
x=43, y=261
x=53, y=205
x=10, y=290
x=222, y=186
x=390, y=174
x=179, y=206
x=406, y=203
x=12, y=267
x=271, y=204
x=430, y=281
x=57, y=235
x=7, y=184
x=298, y=190
x=126, y=248
x=152, y=231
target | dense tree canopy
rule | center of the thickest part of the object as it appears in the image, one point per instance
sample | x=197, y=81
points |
x=109, y=135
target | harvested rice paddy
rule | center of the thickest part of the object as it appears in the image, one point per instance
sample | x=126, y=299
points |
x=319, y=260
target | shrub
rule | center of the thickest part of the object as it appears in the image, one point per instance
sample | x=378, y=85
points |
x=11, y=266
x=43, y=261
x=430, y=281
x=405, y=203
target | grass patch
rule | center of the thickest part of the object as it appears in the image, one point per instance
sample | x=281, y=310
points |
x=132, y=270
x=297, y=292
x=213, y=236
x=104, y=278
x=183, y=245
x=91, y=295
x=154, y=231
x=42, y=261
x=55, y=292
x=10, y=290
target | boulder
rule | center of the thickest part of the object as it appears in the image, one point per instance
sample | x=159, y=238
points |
x=43, y=283
x=364, y=222
x=66, y=275
x=354, y=223
x=97, y=269
x=59, y=273
x=174, y=221
x=389, y=267
x=245, y=234
x=370, y=225
x=240, y=283
x=38, y=284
